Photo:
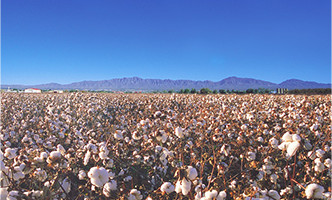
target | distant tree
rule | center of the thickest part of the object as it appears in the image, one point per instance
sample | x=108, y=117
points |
x=181, y=91
x=186, y=91
x=215, y=92
x=221, y=91
x=250, y=91
x=228, y=91
x=170, y=91
x=193, y=91
x=205, y=91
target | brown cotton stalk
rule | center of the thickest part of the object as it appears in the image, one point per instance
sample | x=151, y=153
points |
x=214, y=166
x=298, y=183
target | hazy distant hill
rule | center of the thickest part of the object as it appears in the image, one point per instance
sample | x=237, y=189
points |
x=135, y=83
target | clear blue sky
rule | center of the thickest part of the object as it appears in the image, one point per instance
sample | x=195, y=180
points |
x=66, y=41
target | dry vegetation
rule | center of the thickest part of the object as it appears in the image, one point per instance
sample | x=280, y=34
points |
x=107, y=146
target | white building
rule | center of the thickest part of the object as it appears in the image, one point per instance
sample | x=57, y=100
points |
x=32, y=90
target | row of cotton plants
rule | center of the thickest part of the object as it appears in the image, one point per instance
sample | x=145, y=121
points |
x=165, y=146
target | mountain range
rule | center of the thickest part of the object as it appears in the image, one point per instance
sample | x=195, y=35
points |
x=136, y=83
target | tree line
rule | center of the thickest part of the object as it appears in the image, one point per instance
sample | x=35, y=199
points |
x=311, y=91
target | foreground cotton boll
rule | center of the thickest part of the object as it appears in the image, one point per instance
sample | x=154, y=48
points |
x=179, y=132
x=221, y=196
x=54, y=156
x=43, y=155
x=283, y=146
x=292, y=149
x=109, y=187
x=86, y=158
x=274, y=194
x=66, y=185
x=273, y=178
x=98, y=176
x=136, y=194
x=314, y=191
x=320, y=153
x=3, y=193
x=10, y=153
x=167, y=187
x=13, y=195
x=16, y=173
x=185, y=186
x=210, y=194
x=118, y=135
x=260, y=139
x=287, y=137
x=251, y=156
x=40, y=174
x=191, y=173
x=296, y=137
x=328, y=163
x=61, y=149
x=81, y=174
x=178, y=187
x=274, y=143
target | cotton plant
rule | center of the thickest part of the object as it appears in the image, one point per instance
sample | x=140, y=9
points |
x=129, y=146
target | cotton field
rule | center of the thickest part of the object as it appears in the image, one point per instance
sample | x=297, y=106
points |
x=165, y=146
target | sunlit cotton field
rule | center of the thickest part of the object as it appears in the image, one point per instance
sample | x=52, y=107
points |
x=165, y=146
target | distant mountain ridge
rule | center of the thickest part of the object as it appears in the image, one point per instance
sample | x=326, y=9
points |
x=136, y=83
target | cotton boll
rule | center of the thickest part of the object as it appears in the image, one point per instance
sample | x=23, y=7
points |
x=260, y=139
x=40, y=174
x=273, y=178
x=292, y=148
x=286, y=191
x=307, y=145
x=287, y=137
x=328, y=163
x=260, y=175
x=13, y=195
x=251, y=156
x=319, y=166
x=86, y=158
x=221, y=196
x=191, y=173
x=43, y=155
x=81, y=174
x=118, y=135
x=3, y=193
x=314, y=191
x=178, y=187
x=136, y=194
x=109, y=187
x=211, y=194
x=131, y=197
x=61, y=149
x=186, y=186
x=127, y=178
x=103, y=155
x=283, y=146
x=311, y=155
x=296, y=137
x=179, y=132
x=65, y=185
x=274, y=194
x=17, y=173
x=320, y=153
x=54, y=156
x=167, y=187
x=274, y=143
x=10, y=153
x=98, y=176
